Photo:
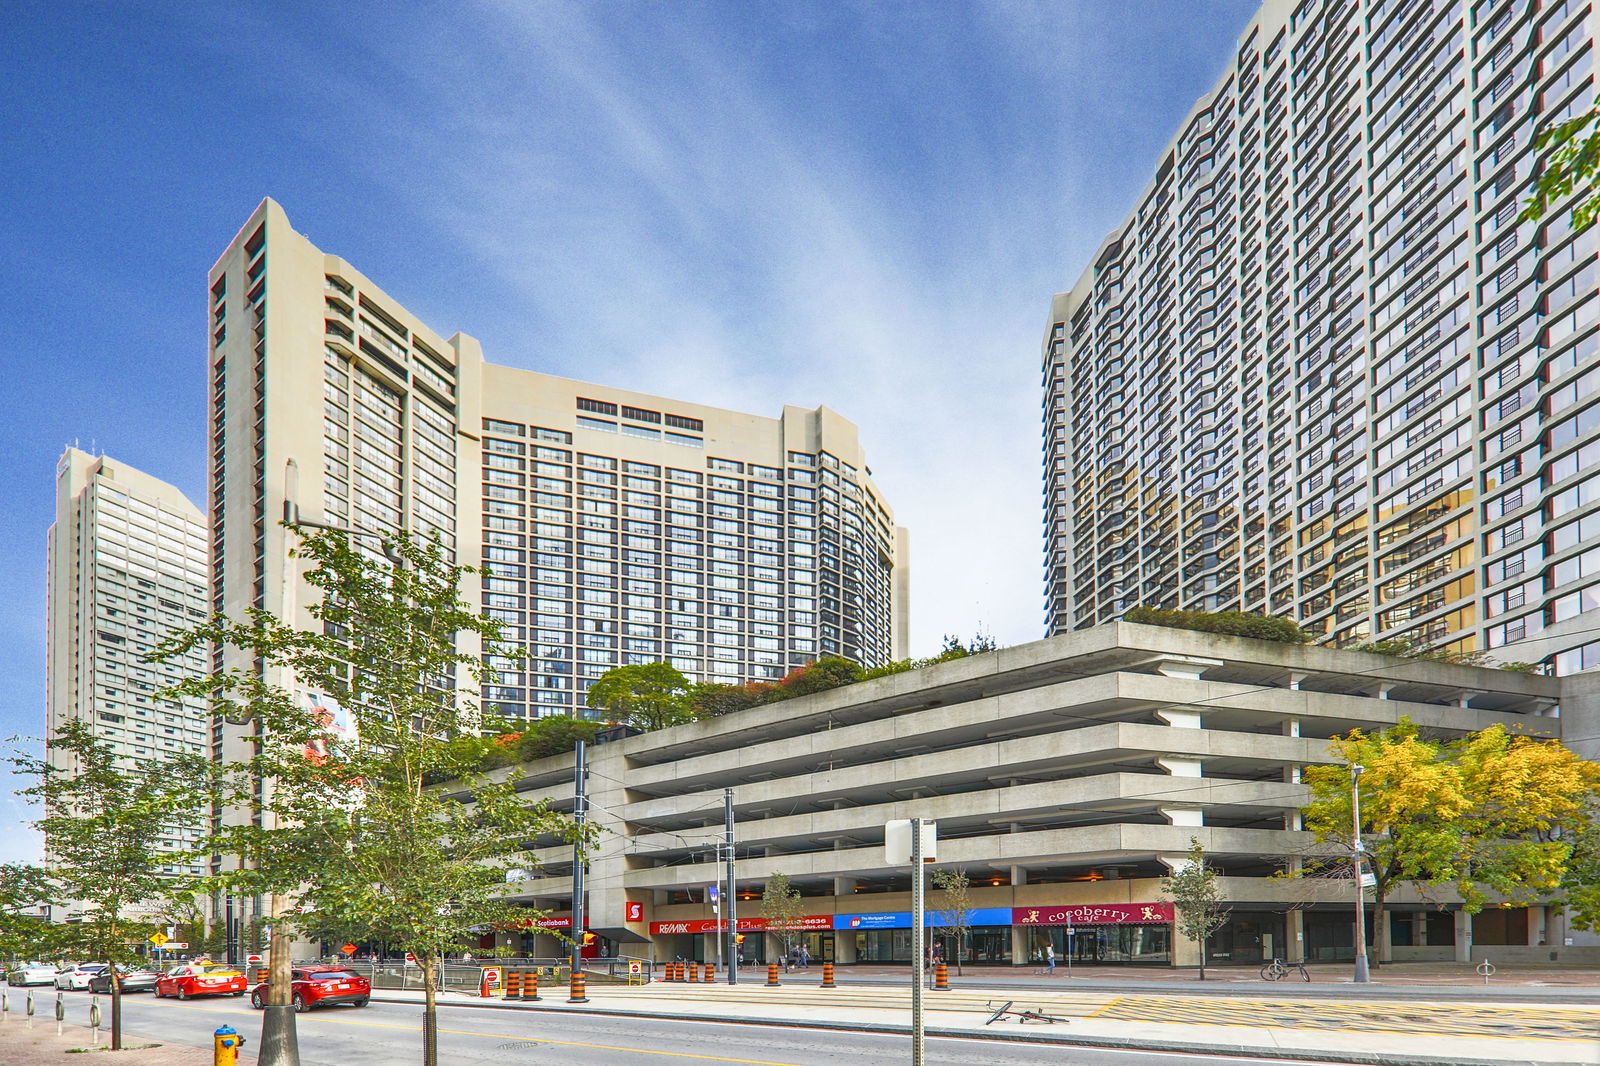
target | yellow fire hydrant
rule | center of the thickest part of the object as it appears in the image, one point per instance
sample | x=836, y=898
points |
x=226, y=1043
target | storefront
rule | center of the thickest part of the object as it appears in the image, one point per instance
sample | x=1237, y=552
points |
x=701, y=939
x=1134, y=934
x=885, y=937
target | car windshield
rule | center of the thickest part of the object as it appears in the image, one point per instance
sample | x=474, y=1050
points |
x=93, y=967
x=331, y=975
x=217, y=969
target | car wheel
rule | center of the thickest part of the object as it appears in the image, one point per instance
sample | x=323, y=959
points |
x=362, y=1002
x=257, y=1002
x=239, y=993
x=300, y=1004
x=183, y=993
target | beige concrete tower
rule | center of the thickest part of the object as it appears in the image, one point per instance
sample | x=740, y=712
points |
x=128, y=566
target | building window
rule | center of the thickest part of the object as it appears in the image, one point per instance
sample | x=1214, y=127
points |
x=598, y=406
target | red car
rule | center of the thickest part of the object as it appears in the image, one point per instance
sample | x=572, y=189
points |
x=316, y=986
x=201, y=979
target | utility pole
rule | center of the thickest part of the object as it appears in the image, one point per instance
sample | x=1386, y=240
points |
x=1357, y=849
x=732, y=892
x=917, y=973
x=580, y=812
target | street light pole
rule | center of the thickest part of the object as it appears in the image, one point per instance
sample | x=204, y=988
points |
x=732, y=893
x=1362, y=976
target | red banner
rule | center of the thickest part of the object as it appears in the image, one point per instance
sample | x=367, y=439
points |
x=1094, y=914
x=746, y=925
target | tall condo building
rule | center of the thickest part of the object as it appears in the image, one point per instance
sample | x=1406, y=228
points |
x=127, y=566
x=616, y=527
x=1324, y=369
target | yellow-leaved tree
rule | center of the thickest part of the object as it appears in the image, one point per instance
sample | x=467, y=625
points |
x=1490, y=816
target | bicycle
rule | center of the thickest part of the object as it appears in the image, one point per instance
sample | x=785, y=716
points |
x=1277, y=970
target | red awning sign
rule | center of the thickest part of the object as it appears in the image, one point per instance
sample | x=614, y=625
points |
x=1094, y=914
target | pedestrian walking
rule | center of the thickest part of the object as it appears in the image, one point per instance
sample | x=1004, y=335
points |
x=1050, y=959
x=805, y=957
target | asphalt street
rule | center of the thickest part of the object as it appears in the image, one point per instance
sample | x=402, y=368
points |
x=385, y=1034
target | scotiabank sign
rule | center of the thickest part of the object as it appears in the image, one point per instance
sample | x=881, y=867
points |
x=1094, y=914
x=546, y=923
x=746, y=925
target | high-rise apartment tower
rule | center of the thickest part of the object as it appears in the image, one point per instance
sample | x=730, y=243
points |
x=617, y=527
x=128, y=566
x=1324, y=369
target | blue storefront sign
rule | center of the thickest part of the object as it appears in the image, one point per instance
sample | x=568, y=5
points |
x=902, y=919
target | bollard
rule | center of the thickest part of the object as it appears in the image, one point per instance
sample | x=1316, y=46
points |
x=941, y=977
x=94, y=1019
x=30, y=1008
x=579, y=993
x=827, y=975
x=225, y=1045
x=61, y=1010
x=530, y=986
x=513, y=984
x=772, y=975
x=709, y=973
x=691, y=972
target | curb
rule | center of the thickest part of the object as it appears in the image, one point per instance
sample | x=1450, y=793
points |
x=1354, y=1058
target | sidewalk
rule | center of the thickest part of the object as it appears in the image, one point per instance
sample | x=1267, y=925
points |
x=1332, y=980
x=1382, y=1028
x=22, y=1046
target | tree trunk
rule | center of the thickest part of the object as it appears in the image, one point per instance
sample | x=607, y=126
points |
x=280, y=1045
x=116, y=1010
x=1378, y=950
x=1202, y=944
x=430, y=1015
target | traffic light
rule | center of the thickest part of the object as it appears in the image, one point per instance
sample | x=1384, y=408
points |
x=588, y=938
x=738, y=938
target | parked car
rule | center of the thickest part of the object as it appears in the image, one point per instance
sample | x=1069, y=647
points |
x=320, y=986
x=130, y=980
x=201, y=979
x=76, y=978
x=32, y=973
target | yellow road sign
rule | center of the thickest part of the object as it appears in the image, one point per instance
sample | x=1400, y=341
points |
x=159, y=938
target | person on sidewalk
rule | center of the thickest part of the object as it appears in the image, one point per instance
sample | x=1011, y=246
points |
x=1050, y=960
x=805, y=956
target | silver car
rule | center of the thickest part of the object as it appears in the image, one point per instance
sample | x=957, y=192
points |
x=32, y=973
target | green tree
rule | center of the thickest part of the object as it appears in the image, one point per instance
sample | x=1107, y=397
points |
x=783, y=909
x=1580, y=886
x=646, y=696
x=1570, y=165
x=26, y=893
x=353, y=831
x=954, y=919
x=1489, y=815
x=107, y=828
x=1195, y=897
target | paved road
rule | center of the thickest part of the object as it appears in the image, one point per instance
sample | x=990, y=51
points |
x=385, y=1034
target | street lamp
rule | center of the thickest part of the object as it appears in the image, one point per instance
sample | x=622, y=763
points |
x=1356, y=851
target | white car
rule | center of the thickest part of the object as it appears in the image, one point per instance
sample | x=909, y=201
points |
x=76, y=978
x=32, y=973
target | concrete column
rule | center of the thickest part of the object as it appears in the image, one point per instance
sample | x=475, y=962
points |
x=1538, y=932
x=1183, y=815
x=1019, y=875
x=1181, y=717
x=1291, y=727
x=1463, y=936
x=1185, y=952
x=844, y=886
x=1295, y=677
x=1021, y=953
x=1181, y=765
x=844, y=947
x=1294, y=932
x=1384, y=689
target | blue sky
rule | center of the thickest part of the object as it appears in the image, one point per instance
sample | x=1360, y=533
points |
x=865, y=204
